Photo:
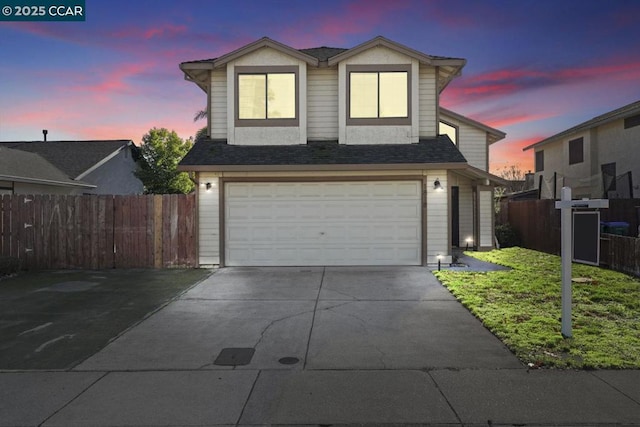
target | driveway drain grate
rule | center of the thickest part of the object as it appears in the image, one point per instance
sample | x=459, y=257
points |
x=234, y=356
x=289, y=360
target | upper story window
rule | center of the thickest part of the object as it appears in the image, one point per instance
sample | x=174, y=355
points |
x=378, y=95
x=576, y=151
x=450, y=130
x=632, y=121
x=539, y=161
x=266, y=96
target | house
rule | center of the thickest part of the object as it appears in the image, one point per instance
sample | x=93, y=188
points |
x=29, y=173
x=107, y=165
x=331, y=156
x=598, y=158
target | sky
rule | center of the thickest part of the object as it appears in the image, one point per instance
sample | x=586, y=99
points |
x=534, y=67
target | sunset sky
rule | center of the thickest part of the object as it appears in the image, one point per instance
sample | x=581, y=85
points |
x=534, y=68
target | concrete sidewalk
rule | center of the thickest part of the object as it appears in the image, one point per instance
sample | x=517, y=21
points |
x=373, y=346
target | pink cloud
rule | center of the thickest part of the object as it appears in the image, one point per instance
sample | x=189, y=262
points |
x=507, y=153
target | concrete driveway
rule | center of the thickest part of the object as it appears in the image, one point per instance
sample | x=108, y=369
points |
x=362, y=345
x=326, y=318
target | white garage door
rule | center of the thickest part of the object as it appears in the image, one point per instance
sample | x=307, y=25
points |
x=323, y=223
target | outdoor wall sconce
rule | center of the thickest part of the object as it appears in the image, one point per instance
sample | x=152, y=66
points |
x=208, y=186
x=436, y=185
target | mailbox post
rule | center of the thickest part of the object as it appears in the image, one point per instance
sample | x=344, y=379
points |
x=566, y=206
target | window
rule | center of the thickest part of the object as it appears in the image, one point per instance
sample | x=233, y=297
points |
x=378, y=95
x=632, y=121
x=449, y=130
x=266, y=96
x=539, y=161
x=576, y=151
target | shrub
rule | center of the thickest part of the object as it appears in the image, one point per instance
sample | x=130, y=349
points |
x=507, y=236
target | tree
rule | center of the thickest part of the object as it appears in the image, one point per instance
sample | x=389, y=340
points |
x=202, y=132
x=161, y=151
x=515, y=176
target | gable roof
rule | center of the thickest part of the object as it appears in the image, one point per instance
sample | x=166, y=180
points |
x=197, y=71
x=617, y=114
x=75, y=158
x=22, y=166
x=218, y=156
x=494, y=134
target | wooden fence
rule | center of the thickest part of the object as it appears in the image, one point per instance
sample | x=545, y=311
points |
x=96, y=232
x=537, y=223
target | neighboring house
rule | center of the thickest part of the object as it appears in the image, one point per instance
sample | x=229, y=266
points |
x=28, y=173
x=597, y=158
x=108, y=166
x=331, y=156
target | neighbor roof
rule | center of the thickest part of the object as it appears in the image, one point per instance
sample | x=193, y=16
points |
x=214, y=155
x=618, y=114
x=75, y=158
x=21, y=166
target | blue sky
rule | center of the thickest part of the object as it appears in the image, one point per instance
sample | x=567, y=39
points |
x=534, y=68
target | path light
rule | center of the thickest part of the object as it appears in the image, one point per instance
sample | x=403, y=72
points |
x=436, y=185
x=439, y=257
x=469, y=240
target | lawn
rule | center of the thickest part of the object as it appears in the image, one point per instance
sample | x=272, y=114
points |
x=522, y=307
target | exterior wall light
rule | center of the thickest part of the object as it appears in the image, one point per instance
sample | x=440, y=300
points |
x=208, y=186
x=436, y=185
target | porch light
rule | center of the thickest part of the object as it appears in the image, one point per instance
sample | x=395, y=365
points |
x=436, y=185
x=208, y=186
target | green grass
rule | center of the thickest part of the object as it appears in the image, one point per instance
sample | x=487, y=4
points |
x=522, y=307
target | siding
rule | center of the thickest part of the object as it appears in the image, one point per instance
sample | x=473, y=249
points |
x=209, y=220
x=219, y=104
x=437, y=218
x=322, y=98
x=486, y=218
x=466, y=211
x=472, y=142
x=427, y=102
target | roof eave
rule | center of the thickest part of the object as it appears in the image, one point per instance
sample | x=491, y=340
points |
x=46, y=182
x=320, y=167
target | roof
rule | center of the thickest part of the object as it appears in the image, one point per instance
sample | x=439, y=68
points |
x=618, y=114
x=74, y=158
x=216, y=155
x=197, y=71
x=494, y=134
x=22, y=166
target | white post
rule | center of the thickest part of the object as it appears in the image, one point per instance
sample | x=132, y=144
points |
x=566, y=228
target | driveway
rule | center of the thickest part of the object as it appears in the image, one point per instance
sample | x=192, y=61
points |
x=315, y=318
x=56, y=319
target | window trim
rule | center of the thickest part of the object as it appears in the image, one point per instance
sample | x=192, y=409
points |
x=274, y=69
x=574, y=142
x=378, y=121
x=539, y=165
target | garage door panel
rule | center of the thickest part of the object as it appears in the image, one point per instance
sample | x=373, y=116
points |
x=323, y=223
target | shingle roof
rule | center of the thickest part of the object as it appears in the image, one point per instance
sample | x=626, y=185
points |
x=16, y=165
x=215, y=153
x=323, y=53
x=71, y=157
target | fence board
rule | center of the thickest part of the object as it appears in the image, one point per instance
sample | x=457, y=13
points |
x=538, y=224
x=99, y=231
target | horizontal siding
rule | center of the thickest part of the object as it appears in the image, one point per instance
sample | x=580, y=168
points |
x=466, y=212
x=219, y=104
x=209, y=220
x=486, y=222
x=427, y=102
x=472, y=142
x=437, y=217
x=322, y=104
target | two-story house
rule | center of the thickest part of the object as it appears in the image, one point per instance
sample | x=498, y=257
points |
x=330, y=156
x=597, y=158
